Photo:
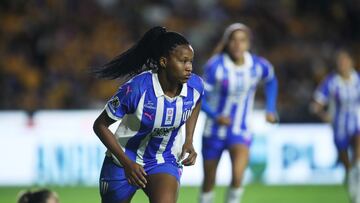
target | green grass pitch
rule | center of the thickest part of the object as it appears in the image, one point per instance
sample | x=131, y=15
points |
x=254, y=193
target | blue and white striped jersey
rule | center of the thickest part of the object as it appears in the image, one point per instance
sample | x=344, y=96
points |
x=150, y=128
x=230, y=90
x=343, y=98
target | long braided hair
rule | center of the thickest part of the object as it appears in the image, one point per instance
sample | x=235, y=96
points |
x=142, y=56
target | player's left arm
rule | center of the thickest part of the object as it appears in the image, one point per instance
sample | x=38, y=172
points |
x=189, y=131
x=271, y=90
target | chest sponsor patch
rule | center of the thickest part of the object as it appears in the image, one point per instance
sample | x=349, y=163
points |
x=169, y=116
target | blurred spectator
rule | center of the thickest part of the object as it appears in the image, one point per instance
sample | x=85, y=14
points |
x=39, y=196
x=47, y=47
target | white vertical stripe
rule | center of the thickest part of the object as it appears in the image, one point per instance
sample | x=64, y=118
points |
x=157, y=123
x=341, y=123
x=229, y=102
x=240, y=108
x=164, y=142
x=357, y=116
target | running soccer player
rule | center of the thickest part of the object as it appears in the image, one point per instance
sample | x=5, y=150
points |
x=341, y=92
x=231, y=78
x=147, y=150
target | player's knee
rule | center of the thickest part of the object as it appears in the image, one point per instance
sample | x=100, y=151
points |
x=165, y=198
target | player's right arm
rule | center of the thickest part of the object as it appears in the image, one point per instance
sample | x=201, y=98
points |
x=115, y=109
x=321, y=98
x=319, y=110
x=209, y=83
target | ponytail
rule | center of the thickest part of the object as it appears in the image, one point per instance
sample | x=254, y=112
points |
x=142, y=56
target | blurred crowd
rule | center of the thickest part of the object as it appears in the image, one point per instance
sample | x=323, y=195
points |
x=48, y=47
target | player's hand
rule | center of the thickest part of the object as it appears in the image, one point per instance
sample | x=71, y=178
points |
x=223, y=120
x=188, y=154
x=271, y=118
x=135, y=174
x=325, y=117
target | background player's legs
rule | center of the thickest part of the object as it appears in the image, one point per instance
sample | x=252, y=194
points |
x=209, y=171
x=239, y=155
x=212, y=149
x=162, y=188
x=344, y=159
x=356, y=147
x=354, y=176
x=209, y=167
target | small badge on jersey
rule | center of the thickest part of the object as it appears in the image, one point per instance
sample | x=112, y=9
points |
x=115, y=102
x=169, y=116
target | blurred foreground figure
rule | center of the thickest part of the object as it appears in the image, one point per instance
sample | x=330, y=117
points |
x=231, y=78
x=39, y=196
x=340, y=92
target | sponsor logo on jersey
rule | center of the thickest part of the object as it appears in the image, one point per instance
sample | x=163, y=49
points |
x=150, y=105
x=188, y=103
x=161, y=132
x=149, y=116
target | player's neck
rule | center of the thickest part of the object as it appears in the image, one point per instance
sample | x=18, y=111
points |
x=169, y=88
x=238, y=61
x=345, y=76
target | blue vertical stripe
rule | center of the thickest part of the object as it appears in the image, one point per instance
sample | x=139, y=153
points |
x=243, y=119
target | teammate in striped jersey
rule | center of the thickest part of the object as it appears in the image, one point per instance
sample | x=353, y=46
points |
x=341, y=92
x=231, y=78
x=148, y=148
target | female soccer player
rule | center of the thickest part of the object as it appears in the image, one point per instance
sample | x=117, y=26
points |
x=231, y=77
x=147, y=149
x=341, y=91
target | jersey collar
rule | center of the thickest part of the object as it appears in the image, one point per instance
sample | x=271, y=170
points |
x=158, y=90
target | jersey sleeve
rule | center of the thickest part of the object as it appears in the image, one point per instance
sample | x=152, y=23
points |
x=267, y=69
x=209, y=75
x=197, y=83
x=123, y=102
x=322, y=92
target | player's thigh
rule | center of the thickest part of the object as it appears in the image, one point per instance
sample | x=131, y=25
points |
x=239, y=155
x=162, y=188
x=356, y=146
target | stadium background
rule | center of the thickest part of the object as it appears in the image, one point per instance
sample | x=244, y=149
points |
x=47, y=48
